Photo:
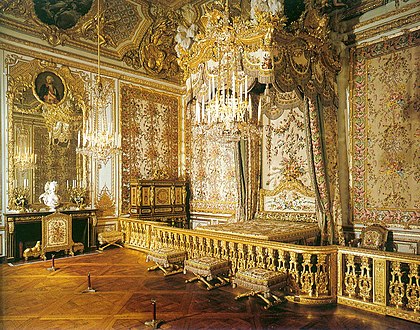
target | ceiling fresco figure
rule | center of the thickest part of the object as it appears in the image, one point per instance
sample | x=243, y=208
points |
x=63, y=14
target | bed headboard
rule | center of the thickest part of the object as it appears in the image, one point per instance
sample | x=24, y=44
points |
x=290, y=201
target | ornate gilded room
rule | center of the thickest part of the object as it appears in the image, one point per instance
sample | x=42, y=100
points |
x=210, y=164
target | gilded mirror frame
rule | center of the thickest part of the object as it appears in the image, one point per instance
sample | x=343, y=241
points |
x=63, y=119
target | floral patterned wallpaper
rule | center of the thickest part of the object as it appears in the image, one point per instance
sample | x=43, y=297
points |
x=149, y=126
x=214, y=181
x=386, y=132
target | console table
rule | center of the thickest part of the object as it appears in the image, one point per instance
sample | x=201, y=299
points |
x=84, y=228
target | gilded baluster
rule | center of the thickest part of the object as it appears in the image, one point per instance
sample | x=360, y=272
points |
x=142, y=235
x=306, y=276
x=136, y=241
x=182, y=242
x=163, y=238
x=271, y=265
x=396, y=286
x=123, y=226
x=350, y=278
x=321, y=275
x=195, y=244
x=251, y=260
x=188, y=245
x=233, y=256
x=365, y=279
x=260, y=257
x=241, y=256
x=139, y=238
x=138, y=235
x=201, y=246
x=413, y=288
x=209, y=247
x=148, y=241
x=131, y=224
x=176, y=241
x=281, y=259
x=217, y=250
x=225, y=250
x=171, y=240
x=294, y=273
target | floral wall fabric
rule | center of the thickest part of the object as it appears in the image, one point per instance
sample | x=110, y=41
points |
x=149, y=126
x=285, y=160
x=214, y=177
x=386, y=132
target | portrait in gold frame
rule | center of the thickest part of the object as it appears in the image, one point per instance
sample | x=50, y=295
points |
x=49, y=88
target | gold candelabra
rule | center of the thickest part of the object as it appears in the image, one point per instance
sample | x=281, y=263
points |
x=20, y=198
x=77, y=194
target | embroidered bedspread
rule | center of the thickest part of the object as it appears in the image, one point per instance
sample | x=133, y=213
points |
x=272, y=230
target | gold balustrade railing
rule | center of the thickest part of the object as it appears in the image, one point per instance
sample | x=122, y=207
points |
x=381, y=282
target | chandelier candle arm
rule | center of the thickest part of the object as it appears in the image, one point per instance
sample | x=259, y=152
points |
x=99, y=140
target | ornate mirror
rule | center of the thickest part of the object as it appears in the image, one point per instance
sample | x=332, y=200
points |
x=46, y=111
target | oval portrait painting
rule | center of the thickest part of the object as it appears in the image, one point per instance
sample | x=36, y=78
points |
x=49, y=88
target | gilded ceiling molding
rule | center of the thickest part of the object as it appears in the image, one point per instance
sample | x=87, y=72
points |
x=156, y=53
x=61, y=23
x=63, y=58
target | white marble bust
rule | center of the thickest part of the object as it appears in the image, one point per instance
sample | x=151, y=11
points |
x=50, y=197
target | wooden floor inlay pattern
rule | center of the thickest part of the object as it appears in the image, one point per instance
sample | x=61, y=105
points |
x=31, y=297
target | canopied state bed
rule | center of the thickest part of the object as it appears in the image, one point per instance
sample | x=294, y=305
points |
x=279, y=220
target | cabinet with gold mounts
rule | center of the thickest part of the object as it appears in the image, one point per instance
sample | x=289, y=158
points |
x=160, y=200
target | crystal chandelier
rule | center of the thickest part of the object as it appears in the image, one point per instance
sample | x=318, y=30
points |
x=24, y=157
x=99, y=139
x=220, y=69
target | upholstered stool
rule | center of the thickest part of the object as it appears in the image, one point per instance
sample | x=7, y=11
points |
x=167, y=260
x=262, y=283
x=110, y=238
x=206, y=269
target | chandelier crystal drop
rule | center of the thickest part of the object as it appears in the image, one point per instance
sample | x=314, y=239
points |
x=99, y=139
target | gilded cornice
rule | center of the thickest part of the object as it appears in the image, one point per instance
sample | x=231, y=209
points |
x=132, y=31
x=386, y=15
x=63, y=58
x=388, y=26
x=362, y=8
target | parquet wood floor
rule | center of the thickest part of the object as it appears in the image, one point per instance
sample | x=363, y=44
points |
x=32, y=297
